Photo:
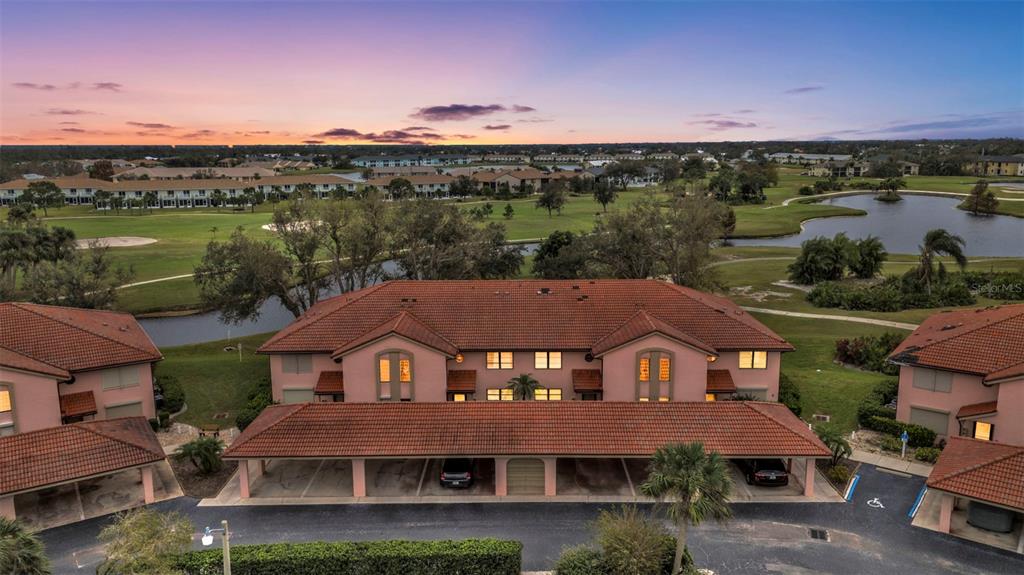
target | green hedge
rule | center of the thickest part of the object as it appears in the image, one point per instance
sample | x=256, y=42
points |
x=584, y=560
x=467, y=557
x=789, y=394
x=918, y=436
x=873, y=405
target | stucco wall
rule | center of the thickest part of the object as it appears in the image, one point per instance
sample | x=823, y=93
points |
x=93, y=381
x=279, y=380
x=689, y=370
x=965, y=390
x=1009, y=421
x=747, y=379
x=34, y=399
x=429, y=371
x=523, y=362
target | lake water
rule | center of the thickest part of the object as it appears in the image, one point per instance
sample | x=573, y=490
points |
x=902, y=225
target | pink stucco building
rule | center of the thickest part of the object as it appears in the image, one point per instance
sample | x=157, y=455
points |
x=62, y=365
x=962, y=374
x=613, y=340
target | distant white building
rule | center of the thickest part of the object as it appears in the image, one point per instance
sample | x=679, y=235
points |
x=807, y=159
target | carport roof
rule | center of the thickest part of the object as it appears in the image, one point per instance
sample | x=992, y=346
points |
x=627, y=429
x=55, y=455
x=983, y=470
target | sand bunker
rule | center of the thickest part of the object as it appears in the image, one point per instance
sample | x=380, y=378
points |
x=114, y=242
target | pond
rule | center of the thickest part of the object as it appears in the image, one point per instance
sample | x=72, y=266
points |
x=902, y=225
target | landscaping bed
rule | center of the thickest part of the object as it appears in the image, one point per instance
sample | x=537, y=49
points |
x=195, y=484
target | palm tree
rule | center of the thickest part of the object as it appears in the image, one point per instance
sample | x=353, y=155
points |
x=695, y=485
x=204, y=452
x=939, y=242
x=21, y=552
x=523, y=386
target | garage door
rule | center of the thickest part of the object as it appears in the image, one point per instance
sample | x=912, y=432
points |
x=126, y=410
x=526, y=477
x=933, y=420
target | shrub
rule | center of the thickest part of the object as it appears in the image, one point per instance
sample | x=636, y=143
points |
x=580, y=560
x=259, y=399
x=928, y=454
x=917, y=436
x=838, y=474
x=173, y=392
x=996, y=285
x=789, y=394
x=467, y=557
x=874, y=404
x=870, y=352
x=892, y=294
x=890, y=443
x=204, y=453
x=806, y=191
x=633, y=543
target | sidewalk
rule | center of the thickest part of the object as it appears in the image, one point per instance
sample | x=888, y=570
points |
x=894, y=463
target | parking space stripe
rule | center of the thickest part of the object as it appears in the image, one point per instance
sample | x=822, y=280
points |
x=853, y=485
x=917, y=503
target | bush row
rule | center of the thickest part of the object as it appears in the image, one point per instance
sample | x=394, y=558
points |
x=467, y=557
x=258, y=400
x=789, y=394
x=584, y=560
x=869, y=352
x=996, y=285
x=917, y=436
x=892, y=294
x=874, y=404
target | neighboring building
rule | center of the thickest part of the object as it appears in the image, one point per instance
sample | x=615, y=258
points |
x=78, y=189
x=807, y=159
x=962, y=374
x=616, y=340
x=632, y=157
x=507, y=158
x=662, y=156
x=980, y=487
x=432, y=185
x=279, y=165
x=405, y=171
x=161, y=173
x=408, y=160
x=996, y=166
x=61, y=365
x=324, y=185
x=839, y=169
x=516, y=180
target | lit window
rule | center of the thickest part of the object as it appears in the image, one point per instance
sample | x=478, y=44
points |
x=645, y=369
x=753, y=359
x=404, y=370
x=459, y=397
x=499, y=360
x=547, y=394
x=982, y=430
x=385, y=370
x=663, y=398
x=664, y=369
x=5, y=400
x=709, y=397
x=644, y=399
x=499, y=394
x=547, y=360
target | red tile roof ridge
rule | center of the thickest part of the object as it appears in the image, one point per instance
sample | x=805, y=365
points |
x=30, y=306
x=927, y=328
x=654, y=325
x=1011, y=451
x=725, y=306
x=56, y=369
x=91, y=426
x=396, y=327
x=1007, y=372
x=772, y=405
x=253, y=430
x=335, y=304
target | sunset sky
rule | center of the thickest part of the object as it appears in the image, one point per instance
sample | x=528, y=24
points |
x=554, y=72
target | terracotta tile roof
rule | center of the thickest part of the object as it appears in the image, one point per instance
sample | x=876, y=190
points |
x=974, y=409
x=641, y=325
x=330, y=383
x=54, y=455
x=77, y=404
x=984, y=470
x=587, y=380
x=986, y=341
x=14, y=360
x=414, y=179
x=519, y=315
x=405, y=325
x=462, y=380
x=74, y=339
x=720, y=381
x=596, y=428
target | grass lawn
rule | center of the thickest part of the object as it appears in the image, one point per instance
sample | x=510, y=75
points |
x=825, y=387
x=215, y=381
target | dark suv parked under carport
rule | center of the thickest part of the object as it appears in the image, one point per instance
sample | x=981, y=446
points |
x=457, y=473
x=766, y=472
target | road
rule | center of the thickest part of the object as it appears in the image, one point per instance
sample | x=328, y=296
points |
x=762, y=538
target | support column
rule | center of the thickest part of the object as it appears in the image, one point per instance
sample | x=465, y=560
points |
x=501, y=476
x=7, y=507
x=550, y=476
x=263, y=467
x=243, y=478
x=359, y=478
x=809, y=469
x=946, y=512
x=147, y=485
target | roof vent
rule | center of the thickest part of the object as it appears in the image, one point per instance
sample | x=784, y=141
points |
x=948, y=326
x=543, y=291
x=575, y=286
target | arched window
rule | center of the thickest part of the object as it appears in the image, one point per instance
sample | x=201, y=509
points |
x=654, y=375
x=394, y=376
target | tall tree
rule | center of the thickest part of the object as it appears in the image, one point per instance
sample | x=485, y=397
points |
x=552, y=196
x=21, y=552
x=401, y=188
x=561, y=255
x=101, y=199
x=695, y=486
x=981, y=199
x=604, y=194
x=145, y=542
x=102, y=170
x=462, y=186
x=301, y=231
x=693, y=171
x=45, y=194
x=87, y=279
x=721, y=183
x=939, y=242
x=625, y=242
x=150, y=199
x=692, y=223
x=357, y=234
x=870, y=256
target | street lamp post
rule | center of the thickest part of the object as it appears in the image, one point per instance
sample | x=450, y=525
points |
x=225, y=536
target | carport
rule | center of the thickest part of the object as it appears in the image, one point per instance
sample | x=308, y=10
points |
x=537, y=449
x=68, y=473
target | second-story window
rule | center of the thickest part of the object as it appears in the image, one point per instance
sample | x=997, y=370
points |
x=547, y=360
x=297, y=363
x=499, y=360
x=120, y=377
x=394, y=376
x=5, y=400
x=654, y=376
x=753, y=359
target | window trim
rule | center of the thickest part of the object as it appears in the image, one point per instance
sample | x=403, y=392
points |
x=547, y=392
x=395, y=357
x=910, y=416
x=9, y=387
x=991, y=430
x=546, y=355
x=294, y=357
x=920, y=373
x=501, y=393
x=106, y=408
x=500, y=357
x=654, y=382
x=753, y=359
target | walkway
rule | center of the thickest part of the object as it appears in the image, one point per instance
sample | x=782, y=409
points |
x=908, y=466
x=867, y=320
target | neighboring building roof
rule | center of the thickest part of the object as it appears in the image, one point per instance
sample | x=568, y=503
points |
x=976, y=409
x=983, y=470
x=65, y=453
x=643, y=324
x=525, y=315
x=295, y=180
x=462, y=380
x=405, y=325
x=720, y=381
x=414, y=179
x=587, y=380
x=330, y=383
x=14, y=360
x=168, y=173
x=77, y=404
x=985, y=341
x=73, y=339
x=579, y=428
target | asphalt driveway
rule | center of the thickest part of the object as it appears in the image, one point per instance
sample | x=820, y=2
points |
x=762, y=538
